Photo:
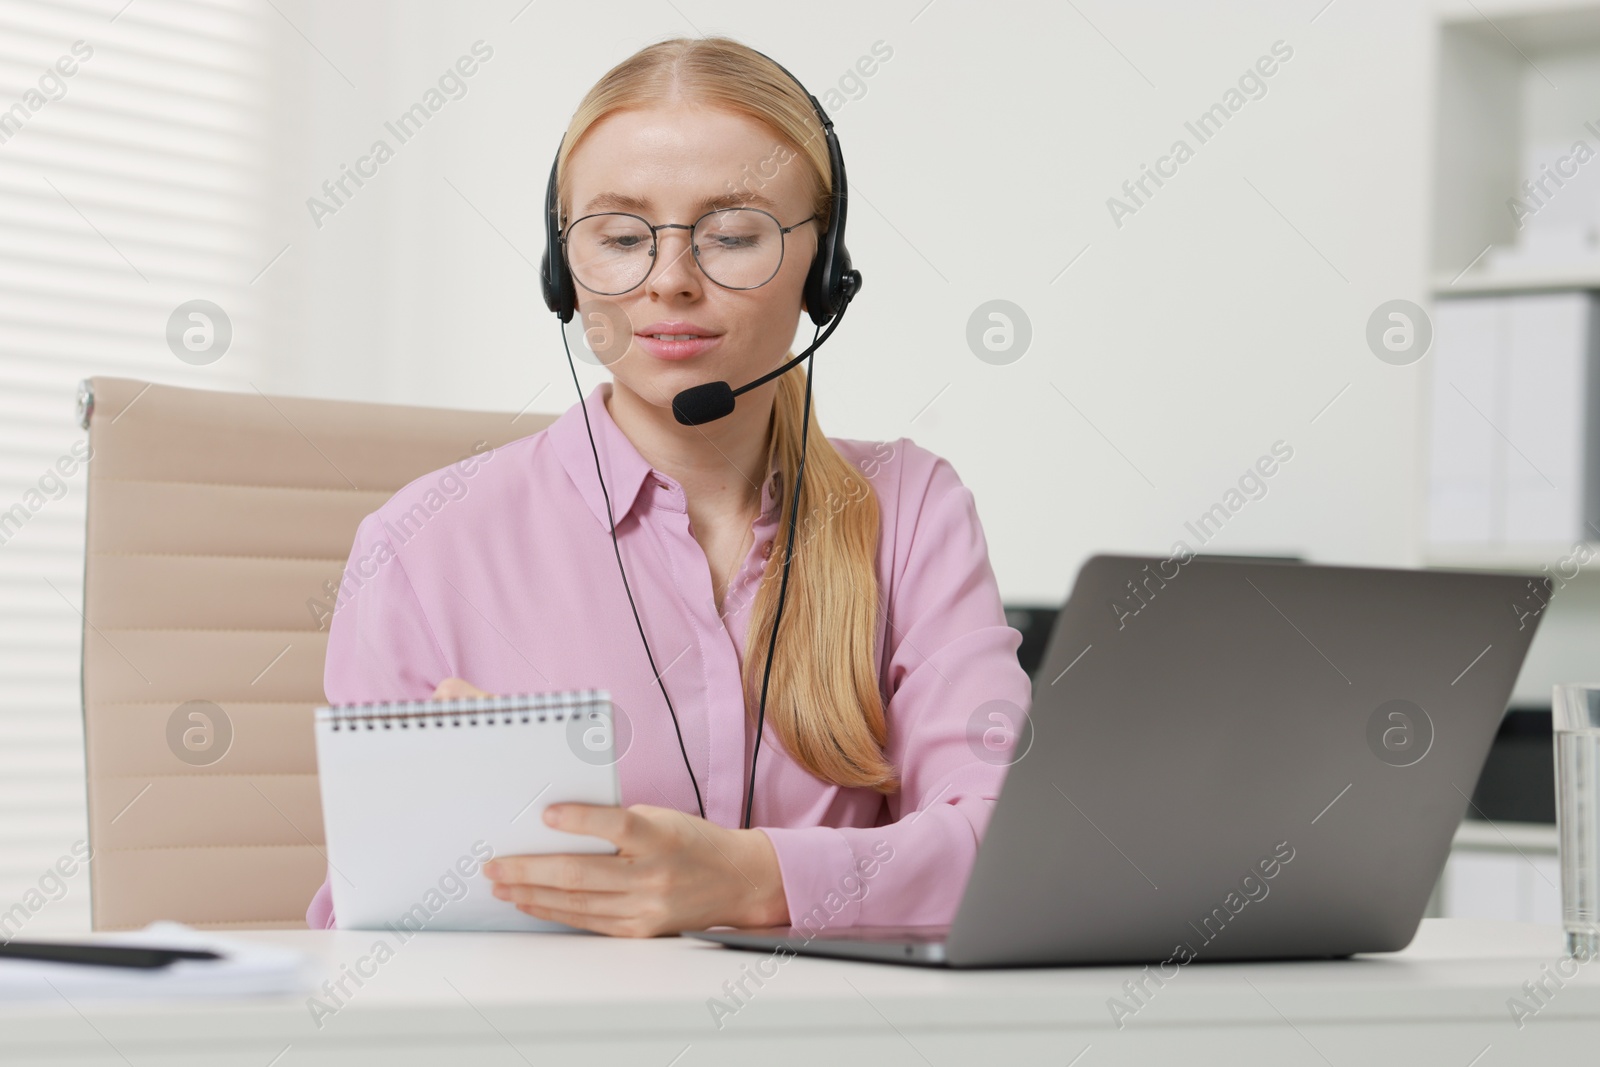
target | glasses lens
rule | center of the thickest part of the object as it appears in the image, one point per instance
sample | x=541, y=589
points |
x=740, y=248
x=610, y=253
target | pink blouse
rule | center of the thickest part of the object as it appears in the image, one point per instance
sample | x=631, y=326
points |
x=487, y=570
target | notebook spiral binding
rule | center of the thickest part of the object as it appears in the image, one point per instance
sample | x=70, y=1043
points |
x=508, y=709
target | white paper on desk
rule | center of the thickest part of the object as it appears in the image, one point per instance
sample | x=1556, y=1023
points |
x=411, y=813
x=247, y=969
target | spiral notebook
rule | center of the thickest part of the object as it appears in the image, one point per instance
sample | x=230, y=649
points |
x=418, y=795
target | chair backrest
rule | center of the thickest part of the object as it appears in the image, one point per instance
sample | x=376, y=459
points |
x=218, y=529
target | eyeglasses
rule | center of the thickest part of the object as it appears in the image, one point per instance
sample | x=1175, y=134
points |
x=612, y=252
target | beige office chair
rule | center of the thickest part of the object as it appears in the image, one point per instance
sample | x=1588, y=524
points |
x=218, y=528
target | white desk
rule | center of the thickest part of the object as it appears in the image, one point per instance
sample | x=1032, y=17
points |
x=449, y=999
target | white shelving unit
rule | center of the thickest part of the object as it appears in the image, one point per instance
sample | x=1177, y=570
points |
x=1516, y=212
x=1517, y=84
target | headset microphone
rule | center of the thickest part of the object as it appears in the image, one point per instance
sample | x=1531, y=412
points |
x=830, y=285
x=700, y=404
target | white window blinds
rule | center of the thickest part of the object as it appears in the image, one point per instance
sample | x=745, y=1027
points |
x=130, y=184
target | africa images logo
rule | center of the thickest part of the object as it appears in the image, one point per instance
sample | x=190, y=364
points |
x=1399, y=732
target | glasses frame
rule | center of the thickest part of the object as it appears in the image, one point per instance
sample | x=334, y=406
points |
x=655, y=245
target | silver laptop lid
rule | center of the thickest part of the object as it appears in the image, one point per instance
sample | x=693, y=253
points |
x=1232, y=759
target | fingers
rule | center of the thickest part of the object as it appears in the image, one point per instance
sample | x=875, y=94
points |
x=577, y=900
x=635, y=925
x=623, y=827
x=653, y=885
x=452, y=688
x=568, y=871
x=593, y=905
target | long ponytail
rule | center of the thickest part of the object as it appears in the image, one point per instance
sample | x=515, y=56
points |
x=823, y=700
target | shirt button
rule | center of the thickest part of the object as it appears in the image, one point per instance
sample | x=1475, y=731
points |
x=766, y=550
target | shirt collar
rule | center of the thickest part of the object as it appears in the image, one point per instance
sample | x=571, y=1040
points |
x=628, y=477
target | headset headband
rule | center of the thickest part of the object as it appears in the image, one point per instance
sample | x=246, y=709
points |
x=826, y=281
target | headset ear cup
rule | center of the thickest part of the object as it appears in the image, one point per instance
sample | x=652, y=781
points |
x=842, y=269
x=816, y=290
x=827, y=273
x=825, y=284
x=554, y=278
x=561, y=296
x=557, y=294
x=546, y=283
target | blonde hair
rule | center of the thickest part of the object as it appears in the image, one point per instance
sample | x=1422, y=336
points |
x=824, y=702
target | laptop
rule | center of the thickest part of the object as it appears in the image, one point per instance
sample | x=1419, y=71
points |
x=1228, y=759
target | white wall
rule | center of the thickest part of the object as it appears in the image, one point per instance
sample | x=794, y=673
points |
x=1221, y=317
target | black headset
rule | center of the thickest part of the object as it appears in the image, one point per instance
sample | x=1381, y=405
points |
x=830, y=285
x=827, y=284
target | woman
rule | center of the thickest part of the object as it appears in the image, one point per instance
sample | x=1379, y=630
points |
x=874, y=784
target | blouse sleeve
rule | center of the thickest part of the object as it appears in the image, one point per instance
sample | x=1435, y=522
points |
x=953, y=664
x=380, y=647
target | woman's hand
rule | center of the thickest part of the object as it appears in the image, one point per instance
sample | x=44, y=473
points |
x=451, y=688
x=672, y=871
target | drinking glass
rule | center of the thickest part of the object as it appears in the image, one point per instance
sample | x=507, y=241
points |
x=1575, y=723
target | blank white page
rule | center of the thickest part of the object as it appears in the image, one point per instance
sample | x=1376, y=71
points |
x=416, y=796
